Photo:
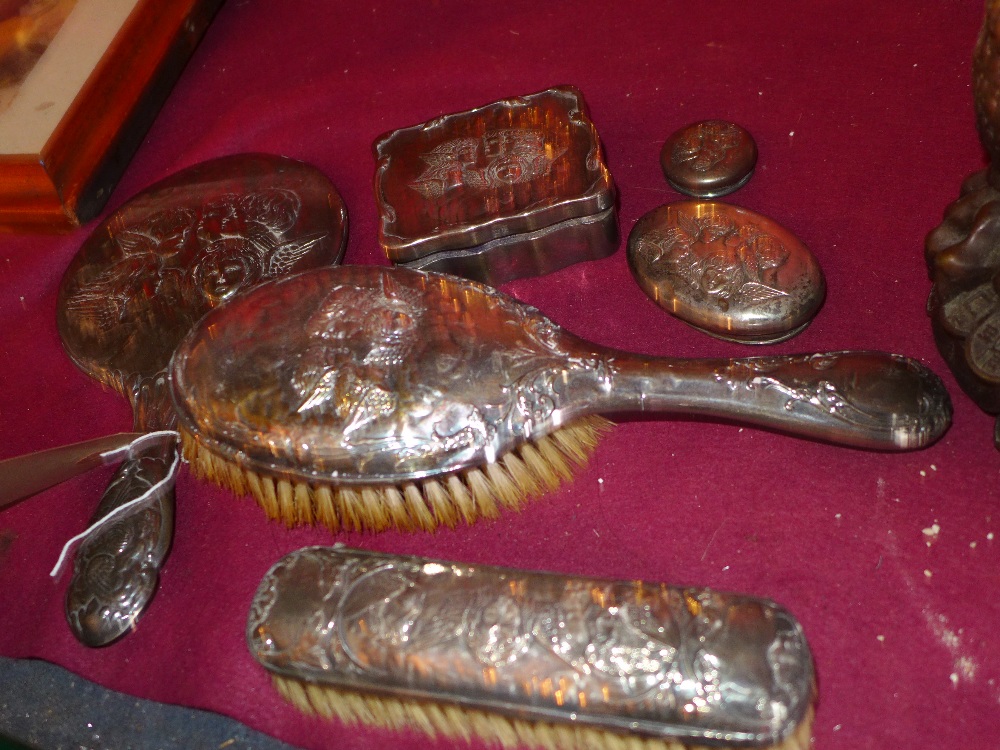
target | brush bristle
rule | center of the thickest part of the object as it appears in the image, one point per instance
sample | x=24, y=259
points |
x=437, y=719
x=533, y=469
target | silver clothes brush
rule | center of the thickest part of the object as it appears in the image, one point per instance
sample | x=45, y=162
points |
x=530, y=658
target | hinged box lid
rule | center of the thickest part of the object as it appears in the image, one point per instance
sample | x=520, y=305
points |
x=504, y=169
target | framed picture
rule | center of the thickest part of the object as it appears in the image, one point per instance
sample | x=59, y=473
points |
x=80, y=83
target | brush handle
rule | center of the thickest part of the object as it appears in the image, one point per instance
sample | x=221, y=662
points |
x=116, y=567
x=24, y=476
x=863, y=399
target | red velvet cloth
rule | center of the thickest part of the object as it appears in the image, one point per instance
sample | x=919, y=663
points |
x=863, y=115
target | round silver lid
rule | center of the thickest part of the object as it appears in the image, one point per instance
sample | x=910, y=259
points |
x=709, y=159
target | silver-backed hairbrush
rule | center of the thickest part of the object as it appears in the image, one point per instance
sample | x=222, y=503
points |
x=369, y=397
x=530, y=659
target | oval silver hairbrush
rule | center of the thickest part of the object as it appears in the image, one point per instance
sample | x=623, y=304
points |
x=370, y=397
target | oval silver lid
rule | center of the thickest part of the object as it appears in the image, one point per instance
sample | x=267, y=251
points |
x=727, y=271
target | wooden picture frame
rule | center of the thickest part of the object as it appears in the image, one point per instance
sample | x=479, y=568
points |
x=78, y=104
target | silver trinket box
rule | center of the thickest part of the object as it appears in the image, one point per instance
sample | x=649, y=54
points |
x=709, y=159
x=726, y=270
x=512, y=189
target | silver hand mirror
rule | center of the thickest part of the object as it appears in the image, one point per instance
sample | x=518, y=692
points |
x=142, y=279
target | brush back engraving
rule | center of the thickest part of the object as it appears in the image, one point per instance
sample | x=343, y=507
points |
x=193, y=258
x=359, y=372
x=645, y=655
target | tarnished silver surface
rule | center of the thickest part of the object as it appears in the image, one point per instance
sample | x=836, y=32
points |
x=364, y=374
x=709, y=159
x=626, y=656
x=116, y=569
x=137, y=285
x=726, y=270
x=511, y=189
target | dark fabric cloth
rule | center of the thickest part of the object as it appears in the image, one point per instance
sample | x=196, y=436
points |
x=863, y=115
x=43, y=706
